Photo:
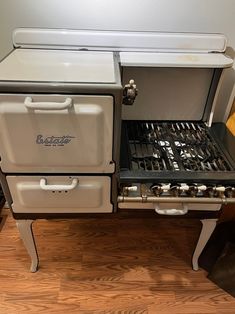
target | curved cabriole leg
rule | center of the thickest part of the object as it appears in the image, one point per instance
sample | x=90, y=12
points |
x=208, y=226
x=26, y=234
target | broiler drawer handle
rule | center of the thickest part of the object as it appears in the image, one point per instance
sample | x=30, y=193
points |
x=171, y=211
x=58, y=187
x=47, y=105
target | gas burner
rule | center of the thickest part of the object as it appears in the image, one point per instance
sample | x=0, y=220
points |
x=156, y=157
x=175, y=146
x=187, y=133
x=191, y=165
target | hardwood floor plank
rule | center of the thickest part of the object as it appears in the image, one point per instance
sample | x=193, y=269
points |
x=106, y=300
x=112, y=266
x=182, y=308
x=111, y=286
x=211, y=295
x=30, y=284
x=32, y=307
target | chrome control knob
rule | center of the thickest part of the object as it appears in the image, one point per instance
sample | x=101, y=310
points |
x=219, y=188
x=209, y=192
x=229, y=191
x=166, y=187
x=219, y=191
x=184, y=187
x=156, y=189
x=201, y=188
x=127, y=189
x=193, y=190
x=175, y=190
x=131, y=188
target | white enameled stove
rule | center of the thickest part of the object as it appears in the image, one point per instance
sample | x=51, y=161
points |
x=94, y=122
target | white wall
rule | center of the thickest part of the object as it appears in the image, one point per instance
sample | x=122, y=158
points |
x=156, y=15
x=159, y=15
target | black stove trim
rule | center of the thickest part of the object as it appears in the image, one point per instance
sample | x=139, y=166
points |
x=225, y=140
x=120, y=214
x=141, y=176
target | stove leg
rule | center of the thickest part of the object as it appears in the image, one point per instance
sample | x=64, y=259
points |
x=26, y=234
x=208, y=226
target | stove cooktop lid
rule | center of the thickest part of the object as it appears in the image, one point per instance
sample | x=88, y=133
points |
x=38, y=65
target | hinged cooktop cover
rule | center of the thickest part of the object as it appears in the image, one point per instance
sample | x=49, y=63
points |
x=38, y=65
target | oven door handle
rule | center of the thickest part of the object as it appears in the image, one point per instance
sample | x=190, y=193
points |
x=47, y=105
x=171, y=211
x=58, y=187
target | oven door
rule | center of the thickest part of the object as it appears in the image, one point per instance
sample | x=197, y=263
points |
x=62, y=133
x=60, y=194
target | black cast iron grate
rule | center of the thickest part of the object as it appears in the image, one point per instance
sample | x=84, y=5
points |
x=173, y=146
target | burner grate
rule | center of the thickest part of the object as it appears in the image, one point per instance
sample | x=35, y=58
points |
x=173, y=146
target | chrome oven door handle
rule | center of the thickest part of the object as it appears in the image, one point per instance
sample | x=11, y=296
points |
x=58, y=187
x=47, y=105
x=171, y=211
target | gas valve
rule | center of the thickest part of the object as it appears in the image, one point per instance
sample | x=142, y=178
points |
x=129, y=93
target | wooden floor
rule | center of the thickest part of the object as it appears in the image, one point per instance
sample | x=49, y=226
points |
x=117, y=265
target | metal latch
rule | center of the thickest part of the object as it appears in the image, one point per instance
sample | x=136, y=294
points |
x=129, y=93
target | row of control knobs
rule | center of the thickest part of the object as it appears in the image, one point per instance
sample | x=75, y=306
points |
x=193, y=190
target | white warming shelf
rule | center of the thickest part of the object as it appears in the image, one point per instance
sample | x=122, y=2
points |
x=189, y=60
x=58, y=66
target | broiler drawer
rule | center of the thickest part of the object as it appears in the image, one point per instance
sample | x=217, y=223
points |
x=56, y=133
x=60, y=194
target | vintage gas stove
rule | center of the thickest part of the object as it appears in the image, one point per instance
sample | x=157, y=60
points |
x=99, y=121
